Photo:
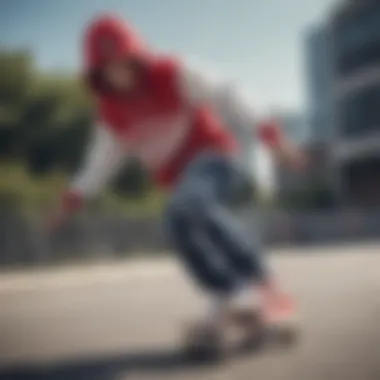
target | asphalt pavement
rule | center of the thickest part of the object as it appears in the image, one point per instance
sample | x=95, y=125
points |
x=124, y=321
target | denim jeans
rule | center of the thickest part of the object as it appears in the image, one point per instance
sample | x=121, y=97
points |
x=204, y=231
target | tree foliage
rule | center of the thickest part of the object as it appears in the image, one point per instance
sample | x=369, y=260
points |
x=45, y=120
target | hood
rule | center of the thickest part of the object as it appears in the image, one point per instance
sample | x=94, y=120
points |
x=110, y=38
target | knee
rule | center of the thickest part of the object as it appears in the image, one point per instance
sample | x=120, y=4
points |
x=187, y=208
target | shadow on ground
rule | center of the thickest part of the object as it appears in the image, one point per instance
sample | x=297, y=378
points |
x=110, y=368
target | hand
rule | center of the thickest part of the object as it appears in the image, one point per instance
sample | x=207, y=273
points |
x=56, y=220
x=297, y=160
x=292, y=157
x=70, y=202
x=271, y=135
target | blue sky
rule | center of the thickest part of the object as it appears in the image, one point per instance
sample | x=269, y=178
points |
x=258, y=42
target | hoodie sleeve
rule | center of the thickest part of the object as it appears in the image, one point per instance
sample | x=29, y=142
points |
x=200, y=86
x=104, y=157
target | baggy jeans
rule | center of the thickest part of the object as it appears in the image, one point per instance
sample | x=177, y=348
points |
x=216, y=251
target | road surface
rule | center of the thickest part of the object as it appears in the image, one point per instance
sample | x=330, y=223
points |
x=123, y=321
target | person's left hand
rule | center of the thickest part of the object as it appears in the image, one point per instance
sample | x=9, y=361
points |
x=55, y=220
x=292, y=157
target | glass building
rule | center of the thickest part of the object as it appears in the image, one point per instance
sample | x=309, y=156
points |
x=354, y=38
x=318, y=69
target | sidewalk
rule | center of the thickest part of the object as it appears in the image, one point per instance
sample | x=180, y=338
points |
x=84, y=274
x=73, y=275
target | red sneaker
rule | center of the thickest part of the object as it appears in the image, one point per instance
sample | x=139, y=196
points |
x=278, y=306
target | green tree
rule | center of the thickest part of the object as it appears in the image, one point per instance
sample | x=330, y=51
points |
x=45, y=120
x=133, y=181
x=16, y=79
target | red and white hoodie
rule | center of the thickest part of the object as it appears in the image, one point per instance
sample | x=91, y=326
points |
x=177, y=112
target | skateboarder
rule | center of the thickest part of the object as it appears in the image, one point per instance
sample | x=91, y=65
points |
x=190, y=130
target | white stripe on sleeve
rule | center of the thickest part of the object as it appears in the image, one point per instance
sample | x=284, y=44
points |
x=200, y=86
x=105, y=156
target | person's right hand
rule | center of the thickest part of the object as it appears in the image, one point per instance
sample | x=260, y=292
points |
x=292, y=157
x=70, y=202
x=55, y=220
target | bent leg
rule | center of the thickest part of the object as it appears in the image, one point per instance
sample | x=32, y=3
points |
x=240, y=249
x=201, y=257
x=206, y=232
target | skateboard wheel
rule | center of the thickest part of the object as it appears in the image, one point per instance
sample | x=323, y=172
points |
x=254, y=335
x=204, y=354
x=287, y=335
x=204, y=344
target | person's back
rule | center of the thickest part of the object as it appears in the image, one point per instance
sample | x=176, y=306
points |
x=160, y=126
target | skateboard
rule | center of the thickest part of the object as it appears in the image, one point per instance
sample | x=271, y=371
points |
x=241, y=332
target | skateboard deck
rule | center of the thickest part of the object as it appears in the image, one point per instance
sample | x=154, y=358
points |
x=246, y=334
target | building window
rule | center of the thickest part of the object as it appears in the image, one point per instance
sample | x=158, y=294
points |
x=357, y=42
x=362, y=181
x=359, y=59
x=360, y=113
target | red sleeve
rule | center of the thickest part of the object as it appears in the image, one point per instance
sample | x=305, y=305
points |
x=269, y=132
x=164, y=74
x=109, y=114
x=106, y=113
